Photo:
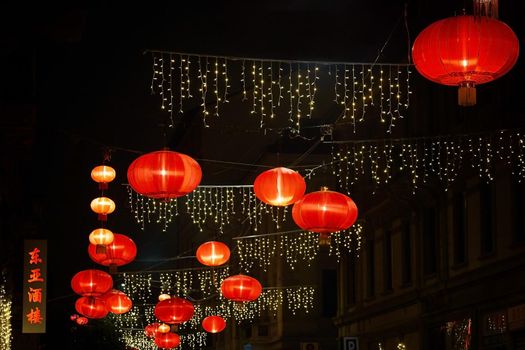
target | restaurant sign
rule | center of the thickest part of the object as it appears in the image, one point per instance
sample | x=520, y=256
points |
x=34, y=291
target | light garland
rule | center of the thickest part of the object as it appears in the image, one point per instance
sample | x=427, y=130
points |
x=136, y=338
x=460, y=333
x=358, y=87
x=301, y=298
x=137, y=286
x=442, y=157
x=295, y=246
x=5, y=317
x=401, y=346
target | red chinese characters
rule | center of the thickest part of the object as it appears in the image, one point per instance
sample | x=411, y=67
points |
x=34, y=311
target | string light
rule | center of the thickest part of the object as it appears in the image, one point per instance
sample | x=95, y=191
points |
x=401, y=346
x=136, y=339
x=6, y=304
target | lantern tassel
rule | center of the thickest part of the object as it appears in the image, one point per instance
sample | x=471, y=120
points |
x=100, y=249
x=486, y=8
x=324, y=239
x=467, y=94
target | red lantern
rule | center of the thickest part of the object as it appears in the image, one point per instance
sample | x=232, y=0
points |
x=91, y=307
x=213, y=324
x=120, y=252
x=117, y=302
x=91, y=283
x=82, y=321
x=103, y=206
x=164, y=297
x=164, y=174
x=324, y=212
x=465, y=51
x=279, y=186
x=241, y=288
x=213, y=253
x=167, y=340
x=151, y=329
x=174, y=310
x=163, y=328
x=101, y=236
x=103, y=175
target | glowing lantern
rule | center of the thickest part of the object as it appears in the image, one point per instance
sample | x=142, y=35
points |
x=82, y=321
x=91, y=307
x=101, y=237
x=103, y=175
x=279, y=186
x=213, y=324
x=164, y=174
x=163, y=328
x=117, y=302
x=213, y=253
x=91, y=283
x=103, y=206
x=73, y=317
x=151, y=329
x=241, y=288
x=465, y=51
x=174, y=310
x=120, y=252
x=167, y=340
x=164, y=297
x=324, y=212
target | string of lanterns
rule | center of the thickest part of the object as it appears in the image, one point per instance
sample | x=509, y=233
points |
x=276, y=87
x=6, y=303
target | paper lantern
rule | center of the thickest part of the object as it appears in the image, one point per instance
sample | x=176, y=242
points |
x=213, y=324
x=167, y=340
x=163, y=328
x=213, y=253
x=324, y=212
x=103, y=206
x=101, y=236
x=103, y=175
x=174, y=310
x=241, y=288
x=151, y=330
x=82, y=321
x=120, y=252
x=279, y=186
x=91, y=283
x=117, y=302
x=164, y=297
x=465, y=51
x=91, y=307
x=164, y=174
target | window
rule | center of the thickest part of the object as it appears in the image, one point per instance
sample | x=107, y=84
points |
x=370, y=268
x=387, y=260
x=429, y=242
x=518, y=211
x=350, y=289
x=406, y=262
x=486, y=217
x=460, y=228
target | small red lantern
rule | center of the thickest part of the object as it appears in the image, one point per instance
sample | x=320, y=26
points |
x=324, y=212
x=163, y=328
x=279, y=186
x=164, y=174
x=91, y=283
x=465, y=51
x=174, y=310
x=167, y=340
x=103, y=206
x=117, y=302
x=213, y=324
x=241, y=288
x=82, y=321
x=103, y=175
x=213, y=253
x=101, y=237
x=91, y=307
x=120, y=252
x=151, y=329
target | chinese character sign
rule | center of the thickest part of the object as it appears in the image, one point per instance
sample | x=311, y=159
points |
x=35, y=280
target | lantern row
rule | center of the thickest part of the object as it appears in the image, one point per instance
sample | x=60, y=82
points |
x=276, y=88
x=442, y=157
x=295, y=247
x=6, y=329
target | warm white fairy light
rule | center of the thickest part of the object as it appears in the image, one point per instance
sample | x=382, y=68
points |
x=401, y=346
x=300, y=299
x=137, y=286
x=136, y=339
x=5, y=317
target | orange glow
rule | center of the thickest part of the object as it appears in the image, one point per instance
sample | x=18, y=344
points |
x=164, y=297
x=103, y=174
x=101, y=236
x=103, y=205
x=163, y=328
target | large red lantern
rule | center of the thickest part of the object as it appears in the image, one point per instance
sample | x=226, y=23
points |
x=324, y=212
x=103, y=174
x=174, y=310
x=91, y=283
x=164, y=174
x=241, y=288
x=465, y=51
x=167, y=340
x=120, y=252
x=117, y=302
x=213, y=324
x=279, y=186
x=91, y=307
x=213, y=253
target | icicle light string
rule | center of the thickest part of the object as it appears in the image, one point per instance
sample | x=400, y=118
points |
x=357, y=81
x=6, y=304
x=135, y=338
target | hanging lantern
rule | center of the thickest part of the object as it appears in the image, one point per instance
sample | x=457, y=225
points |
x=103, y=206
x=279, y=186
x=103, y=175
x=163, y=328
x=117, y=302
x=82, y=321
x=465, y=51
x=101, y=237
x=91, y=307
x=164, y=297
x=73, y=317
x=213, y=253
x=241, y=288
x=164, y=174
x=120, y=252
x=167, y=340
x=324, y=212
x=174, y=310
x=151, y=329
x=214, y=324
x=91, y=283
